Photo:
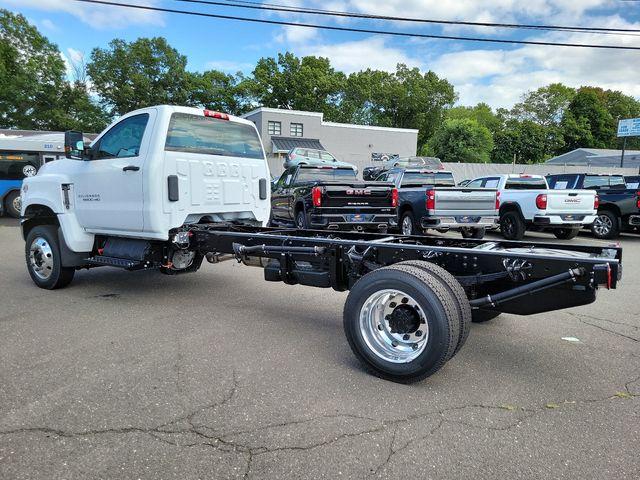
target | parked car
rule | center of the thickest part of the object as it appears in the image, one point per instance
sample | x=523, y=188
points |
x=311, y=156
x=619, y=206
x=527, y=203
x=373, y=172
x=429, y=199
x=332, y=197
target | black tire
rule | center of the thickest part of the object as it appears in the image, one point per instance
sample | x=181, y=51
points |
x=440, y=314
x=512, y=225
x=566, y=233
x=471, y=232
x=480, y=316
x=449, y=282
x=606, y=226
x=301, y=220
x=44, y=266
x=408, y=224
x=11, y=204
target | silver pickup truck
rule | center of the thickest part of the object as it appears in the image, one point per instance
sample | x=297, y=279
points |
x=429, y=199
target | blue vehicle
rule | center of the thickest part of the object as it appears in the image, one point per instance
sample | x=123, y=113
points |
x=14, y=166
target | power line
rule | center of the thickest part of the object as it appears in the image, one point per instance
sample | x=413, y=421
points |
x=337, y=13
x=359, y=30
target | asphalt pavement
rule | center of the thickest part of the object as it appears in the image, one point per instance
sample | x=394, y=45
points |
x=220, y=374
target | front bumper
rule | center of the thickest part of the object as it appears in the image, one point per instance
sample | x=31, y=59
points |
x=568, y=220
x=464, y=221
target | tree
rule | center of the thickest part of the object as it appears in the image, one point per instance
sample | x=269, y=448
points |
x=526, y=140
x=587, y=122
x=219, y=91
x=404, y=99
x=31, y=74
x=131, y=75
x=481, y=113
x=462, y=140
x=544, y=106
x=307, y=83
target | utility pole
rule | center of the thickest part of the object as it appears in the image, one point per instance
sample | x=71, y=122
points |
x=624, y=146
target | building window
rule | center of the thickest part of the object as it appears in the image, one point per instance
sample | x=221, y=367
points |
x=296, y=130
x=274, y=128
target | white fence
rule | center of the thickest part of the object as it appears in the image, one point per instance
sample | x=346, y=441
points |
x=463, y=171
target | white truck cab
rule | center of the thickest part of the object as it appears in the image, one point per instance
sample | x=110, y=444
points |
x=151, y=171
x=527, y=203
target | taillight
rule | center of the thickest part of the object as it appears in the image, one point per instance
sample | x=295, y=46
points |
x=497, y=200
x=394, y=197
x=212, y=114
x=316, y=195
x=638, y=199
x=596, y=202
x=431, y=200
x=541, y=201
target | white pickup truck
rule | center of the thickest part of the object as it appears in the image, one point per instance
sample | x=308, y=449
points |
x=165, y=187
x=527, y=203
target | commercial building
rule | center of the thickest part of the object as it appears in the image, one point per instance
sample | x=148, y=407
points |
x=281, y=130
x=597, y=157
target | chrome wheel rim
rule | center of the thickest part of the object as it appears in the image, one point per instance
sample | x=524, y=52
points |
x=301, y=221
x=602, y=225
x=393, y=326
x=407, y=225
x=17, y=204
x=41, y=258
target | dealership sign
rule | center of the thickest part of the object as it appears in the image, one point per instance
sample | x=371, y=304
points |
x=629, y=127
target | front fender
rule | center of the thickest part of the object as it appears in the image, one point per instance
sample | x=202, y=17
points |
x=45, y=190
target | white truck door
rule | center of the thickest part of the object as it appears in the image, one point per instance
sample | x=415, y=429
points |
x=108, y=188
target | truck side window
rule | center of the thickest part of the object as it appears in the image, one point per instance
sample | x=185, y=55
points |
x=477, y=183
x=492, y=183
x=124, y=138
x=562, y=182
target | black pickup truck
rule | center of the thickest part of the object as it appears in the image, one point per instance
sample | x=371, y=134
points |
x=619, y=206
x=329, y=197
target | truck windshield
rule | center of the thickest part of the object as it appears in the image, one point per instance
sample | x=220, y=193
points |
x=212, y=136
x=438, y=179
x=326, y=174
x=525, y=183
x=604, y=181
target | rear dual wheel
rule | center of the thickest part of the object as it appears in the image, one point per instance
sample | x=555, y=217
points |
x=404, y=322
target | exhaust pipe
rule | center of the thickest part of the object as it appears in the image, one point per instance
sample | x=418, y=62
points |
x=213, y=257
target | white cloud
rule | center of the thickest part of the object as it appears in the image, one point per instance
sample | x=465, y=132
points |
x=290, y=34
x=48, y=25
x=357, y=55
x=98, y=16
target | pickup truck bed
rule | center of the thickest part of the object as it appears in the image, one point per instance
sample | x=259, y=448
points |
x=302, y=198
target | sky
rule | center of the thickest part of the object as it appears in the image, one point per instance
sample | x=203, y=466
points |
x=497, y=74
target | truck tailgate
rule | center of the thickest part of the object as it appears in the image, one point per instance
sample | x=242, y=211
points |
x=465, y=201
x=570, y=201
x=357, y=195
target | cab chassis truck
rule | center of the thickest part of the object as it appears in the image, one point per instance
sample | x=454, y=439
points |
x=411, y=298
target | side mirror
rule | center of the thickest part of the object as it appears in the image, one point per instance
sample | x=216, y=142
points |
x=73, y=144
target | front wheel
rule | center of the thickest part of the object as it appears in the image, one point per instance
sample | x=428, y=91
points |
x=605, y=226
x=402, y=323
x=42, y=253
x=566, y=233
x=471, y=232
x=13, y=204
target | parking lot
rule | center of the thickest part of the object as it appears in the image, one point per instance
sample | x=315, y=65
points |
x=219, y=374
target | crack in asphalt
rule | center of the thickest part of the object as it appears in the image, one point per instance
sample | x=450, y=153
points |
x=224, y=441
x=581, y=318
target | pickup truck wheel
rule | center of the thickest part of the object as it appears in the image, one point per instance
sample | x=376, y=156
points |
x=301, y=220
x=42, y=254
x=470, y=232
x=480, y=316
x=450, y=283
x=408, y=224
x=401, y=323
x=512, y=226
x=566, y=233
x=12, y=204
x=605, y=225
